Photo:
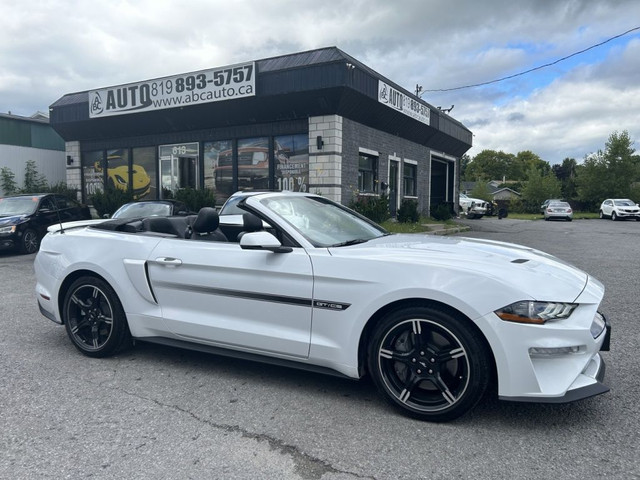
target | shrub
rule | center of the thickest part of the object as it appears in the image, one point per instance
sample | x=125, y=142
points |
x=63, y=189
x=374, y=208
x=108, y=201
x=8, y=181
x=440, y=212
x=196, y=199
x=408, y=211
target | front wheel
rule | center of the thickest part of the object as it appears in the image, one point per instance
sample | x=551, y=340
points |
x=614, y=217
x=428, y=363
x=94, y=318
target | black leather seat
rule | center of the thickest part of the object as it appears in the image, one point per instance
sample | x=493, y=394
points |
x=205, y=226
x=251, y=223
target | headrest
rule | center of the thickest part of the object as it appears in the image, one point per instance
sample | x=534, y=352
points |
x=206, y=221
x=251, y=223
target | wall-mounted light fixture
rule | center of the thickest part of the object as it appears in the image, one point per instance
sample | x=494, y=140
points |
x=69, y=159
x=319, y=142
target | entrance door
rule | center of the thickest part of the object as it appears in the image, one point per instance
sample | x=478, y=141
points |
x=178, y=168
x=394, y=191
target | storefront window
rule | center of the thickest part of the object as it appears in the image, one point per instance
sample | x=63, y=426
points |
x=218, y=168
x=143, y=170
x=253, y=163
x=291, y=153
x=118, y=173
x=368, y=174
x=92, y=174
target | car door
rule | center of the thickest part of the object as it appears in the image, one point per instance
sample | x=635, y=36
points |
x=219, y=293
x=607, y=207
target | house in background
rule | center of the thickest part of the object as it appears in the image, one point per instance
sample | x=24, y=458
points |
x=31, y=138
x=498, y=194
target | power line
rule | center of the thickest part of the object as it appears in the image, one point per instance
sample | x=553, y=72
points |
x=420, y=90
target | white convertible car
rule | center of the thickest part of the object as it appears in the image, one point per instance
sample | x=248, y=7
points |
x=305, y=282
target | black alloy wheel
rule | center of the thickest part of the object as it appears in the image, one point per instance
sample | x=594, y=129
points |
x=429, y=363
x=94, y=318
x=30, y=241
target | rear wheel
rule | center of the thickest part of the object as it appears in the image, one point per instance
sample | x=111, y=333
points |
x=601, y=214
x=94, y=318
x=428, y=363
x=30, y=241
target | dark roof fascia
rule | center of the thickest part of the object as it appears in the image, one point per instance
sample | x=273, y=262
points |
x=287, y=78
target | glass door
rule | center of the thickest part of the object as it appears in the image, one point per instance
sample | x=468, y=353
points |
x=179, y=168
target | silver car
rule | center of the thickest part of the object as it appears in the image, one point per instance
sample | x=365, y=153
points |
x=560, y=210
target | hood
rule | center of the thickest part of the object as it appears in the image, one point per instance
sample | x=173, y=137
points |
x=536, y=274
x=12, y=220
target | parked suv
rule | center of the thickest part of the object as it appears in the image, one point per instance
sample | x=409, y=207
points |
x=24, y=218
x=472, y=207
x=619, y=208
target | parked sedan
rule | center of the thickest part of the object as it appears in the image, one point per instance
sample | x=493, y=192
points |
x=24, y=218
x=619, y=209
x=148, y=208
x=323, y=288
x=558, y=210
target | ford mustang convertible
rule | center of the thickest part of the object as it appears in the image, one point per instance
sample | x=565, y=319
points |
x=299, y=280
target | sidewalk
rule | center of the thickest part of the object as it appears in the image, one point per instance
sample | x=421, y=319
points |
x=442, y=229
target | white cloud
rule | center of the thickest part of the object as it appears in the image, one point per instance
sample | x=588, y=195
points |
x=52, y=47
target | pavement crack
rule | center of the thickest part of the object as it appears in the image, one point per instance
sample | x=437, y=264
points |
x=307, y=466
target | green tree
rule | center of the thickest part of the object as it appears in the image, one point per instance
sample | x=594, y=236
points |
x=614, y=172
x=523, y=162
x=34, y=182
x=8, y=181
x=488, y=164
x=566, y=174
x=537, y=189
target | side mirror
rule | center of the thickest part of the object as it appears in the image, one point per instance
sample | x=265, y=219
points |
x=262, y=241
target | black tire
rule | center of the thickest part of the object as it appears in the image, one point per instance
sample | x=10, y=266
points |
x=94, y=318
x=30, y=242
x=614, y=217
x=569, y=219
x=601, y=214
x=428, y=363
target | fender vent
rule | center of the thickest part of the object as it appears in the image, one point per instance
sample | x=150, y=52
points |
x=520, y=260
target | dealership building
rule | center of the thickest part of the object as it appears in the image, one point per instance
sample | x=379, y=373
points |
x=318, y=121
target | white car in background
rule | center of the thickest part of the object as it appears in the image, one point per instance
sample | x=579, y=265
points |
x=435, y=321
x=619, y=209
x=472, y=207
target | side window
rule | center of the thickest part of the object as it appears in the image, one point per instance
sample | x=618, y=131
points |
x=410, y=178
x=368, y=173
x=47, y=204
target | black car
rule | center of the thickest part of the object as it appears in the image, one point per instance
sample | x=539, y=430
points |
x=24, y=218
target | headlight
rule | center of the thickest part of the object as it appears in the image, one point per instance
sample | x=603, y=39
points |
x=10, y=229
x=528, y=311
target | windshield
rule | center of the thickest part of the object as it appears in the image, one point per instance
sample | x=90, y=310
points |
x=322, y=222
x=624, y=203
x=18, y=206
x=132, y=210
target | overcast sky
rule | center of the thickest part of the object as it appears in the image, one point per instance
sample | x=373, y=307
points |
x=52, y=47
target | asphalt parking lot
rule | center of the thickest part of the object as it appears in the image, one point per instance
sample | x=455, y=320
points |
x=157, y=412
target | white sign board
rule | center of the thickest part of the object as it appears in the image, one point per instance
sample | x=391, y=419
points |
x=225, y=83
x=403, y=103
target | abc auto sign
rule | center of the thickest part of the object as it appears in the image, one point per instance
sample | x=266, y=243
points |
x=225, y=83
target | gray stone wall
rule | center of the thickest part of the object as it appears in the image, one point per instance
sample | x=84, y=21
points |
x=356, y=136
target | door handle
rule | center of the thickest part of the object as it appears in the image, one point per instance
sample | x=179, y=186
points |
x=169, y=261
